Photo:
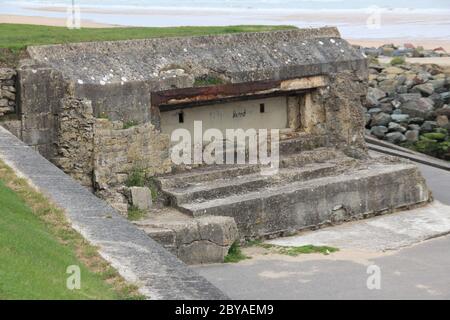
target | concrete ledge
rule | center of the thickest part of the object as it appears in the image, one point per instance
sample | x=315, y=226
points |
x=138, y=258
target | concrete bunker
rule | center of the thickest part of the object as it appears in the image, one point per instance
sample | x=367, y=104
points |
x=103, y=112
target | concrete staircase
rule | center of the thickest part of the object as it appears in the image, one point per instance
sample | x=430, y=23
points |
x=314, y=186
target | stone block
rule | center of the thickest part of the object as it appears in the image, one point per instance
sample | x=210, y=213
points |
x=200, y=240
x=141, y=197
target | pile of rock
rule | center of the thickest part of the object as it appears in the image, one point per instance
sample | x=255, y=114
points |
x=7, y=91
x=406, y=50
x=406, y=101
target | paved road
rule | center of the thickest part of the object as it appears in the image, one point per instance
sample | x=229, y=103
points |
x=418, y=272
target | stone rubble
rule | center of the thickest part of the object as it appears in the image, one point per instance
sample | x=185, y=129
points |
x=407, y=50
x=7, y=91
x=406, y=101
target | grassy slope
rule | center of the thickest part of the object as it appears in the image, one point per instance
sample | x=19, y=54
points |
x=14, y=38
x=33, y=263
x=37, y=245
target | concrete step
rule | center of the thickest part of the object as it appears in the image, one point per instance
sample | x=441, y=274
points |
x=302, y=143
x=206, y=239
x=208, y=190
x=371, y=188
x=217, y=172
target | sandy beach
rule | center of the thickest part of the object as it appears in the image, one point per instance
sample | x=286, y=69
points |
x=47, y=21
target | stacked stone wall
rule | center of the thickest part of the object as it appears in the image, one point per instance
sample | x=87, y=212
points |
x=118, y=152
x=7, y=91
x=75, y=141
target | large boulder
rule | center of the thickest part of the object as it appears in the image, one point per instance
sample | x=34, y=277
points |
x=395, y=137
x=437, y=84
x=442, y=121
x=395, y=127
x=374, y=95
x=389, y=86
x=412, y=135
x=380, y=119
x=445, y=96
x=428, y=126
x=379, y=131
x=444, y=111
x=422, y=108
x=425, y=89
x=400, y=117
x=393, y=70
x=404, y=97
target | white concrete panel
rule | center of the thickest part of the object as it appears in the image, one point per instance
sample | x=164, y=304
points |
x=230, y=115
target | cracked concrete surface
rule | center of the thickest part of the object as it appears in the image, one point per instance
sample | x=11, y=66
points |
x=387, y=232
x=417, y=271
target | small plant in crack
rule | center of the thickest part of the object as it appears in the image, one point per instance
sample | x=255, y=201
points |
x=292, y=250
x=235, y=254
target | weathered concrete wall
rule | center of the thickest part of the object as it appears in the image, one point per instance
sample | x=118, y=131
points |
x=40, y=90
x=344, y=111
x=125, y=100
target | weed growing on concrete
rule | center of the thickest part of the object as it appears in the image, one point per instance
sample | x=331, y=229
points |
x=292, y=251
x=295, y=251
x=129, y=124
x=207, y=81
x=136, y=178
x=134, y=213
x=235, y=254
x=152, y=185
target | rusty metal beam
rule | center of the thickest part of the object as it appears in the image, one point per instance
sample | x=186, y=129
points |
x=197, y=103
x=234, y=90
x=186, y=95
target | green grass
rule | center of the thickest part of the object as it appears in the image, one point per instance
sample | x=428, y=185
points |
x=293, y=251
x=235, y=254
x=136, y=178
x=129, y=124
x=397, y=61
x=208, y=81
x=37, y=244
x=14, y=38
x=134, y=213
